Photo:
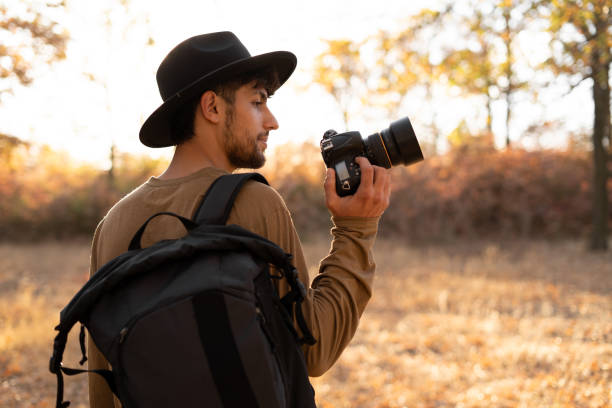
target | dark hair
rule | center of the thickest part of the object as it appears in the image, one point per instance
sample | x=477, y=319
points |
x=183, y=120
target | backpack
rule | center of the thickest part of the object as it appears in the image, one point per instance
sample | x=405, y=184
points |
x=195, y=321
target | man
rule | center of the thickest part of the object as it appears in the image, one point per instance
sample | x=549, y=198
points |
x=215, y=112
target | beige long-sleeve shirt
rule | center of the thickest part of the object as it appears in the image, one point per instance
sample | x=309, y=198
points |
x=335, y=300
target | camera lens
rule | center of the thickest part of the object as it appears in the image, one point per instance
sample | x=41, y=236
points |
x=396, y=145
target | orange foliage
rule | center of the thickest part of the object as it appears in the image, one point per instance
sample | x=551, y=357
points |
x=46, y=194
x=467, y=192
x=492, y=193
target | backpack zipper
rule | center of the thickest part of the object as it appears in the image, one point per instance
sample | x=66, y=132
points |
x=264, y=327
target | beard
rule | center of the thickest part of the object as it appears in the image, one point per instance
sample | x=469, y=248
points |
x=242, y=152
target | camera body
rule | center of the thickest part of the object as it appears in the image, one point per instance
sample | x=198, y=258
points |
x=339, y=151
x=392, y=146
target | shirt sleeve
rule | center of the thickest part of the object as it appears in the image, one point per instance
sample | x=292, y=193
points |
x=340, y=292
x=100, y=396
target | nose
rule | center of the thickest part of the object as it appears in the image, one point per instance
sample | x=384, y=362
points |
x=270, y=122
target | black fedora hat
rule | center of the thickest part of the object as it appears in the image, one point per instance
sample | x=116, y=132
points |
x=198, y=64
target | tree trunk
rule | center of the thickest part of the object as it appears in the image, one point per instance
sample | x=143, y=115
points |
x=345, y=116
x=490, y=121
x=601, y=131
x=111, y=170
x=434, y=128
x=508, y=91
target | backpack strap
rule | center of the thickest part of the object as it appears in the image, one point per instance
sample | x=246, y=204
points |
x=219, y=199
x=56, y=367
x=214, y=210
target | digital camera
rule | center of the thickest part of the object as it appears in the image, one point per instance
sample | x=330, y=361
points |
x=396, y=145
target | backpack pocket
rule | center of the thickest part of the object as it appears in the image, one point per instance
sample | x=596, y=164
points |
x=205, y=350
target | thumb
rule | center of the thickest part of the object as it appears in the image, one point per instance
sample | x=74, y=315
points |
x=330, y=183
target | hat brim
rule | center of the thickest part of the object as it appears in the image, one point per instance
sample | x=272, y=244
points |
x=156, y=130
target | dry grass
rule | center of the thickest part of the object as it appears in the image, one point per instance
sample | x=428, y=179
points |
x=471, y=325
x=481, y=325
x=36, y=282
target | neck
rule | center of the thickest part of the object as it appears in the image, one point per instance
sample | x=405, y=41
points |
x=195, y=155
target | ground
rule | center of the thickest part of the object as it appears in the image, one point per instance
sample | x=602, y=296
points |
x=473, y=324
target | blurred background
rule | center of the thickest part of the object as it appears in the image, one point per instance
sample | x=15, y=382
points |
x=494, y=282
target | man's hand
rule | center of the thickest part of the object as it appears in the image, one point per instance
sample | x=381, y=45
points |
x=371, y=198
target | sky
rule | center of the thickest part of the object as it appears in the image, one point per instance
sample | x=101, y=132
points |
x=105, y=88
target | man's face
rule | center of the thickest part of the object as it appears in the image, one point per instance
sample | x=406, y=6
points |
x=247, y=124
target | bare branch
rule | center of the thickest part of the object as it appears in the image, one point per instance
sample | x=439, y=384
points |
x=572, y=86
x=39, y=41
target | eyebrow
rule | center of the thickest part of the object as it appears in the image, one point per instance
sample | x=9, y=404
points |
x=264, y=95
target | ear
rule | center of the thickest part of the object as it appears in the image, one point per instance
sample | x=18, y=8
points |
x=209, y=106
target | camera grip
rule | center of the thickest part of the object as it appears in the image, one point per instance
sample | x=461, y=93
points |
x=348, y=177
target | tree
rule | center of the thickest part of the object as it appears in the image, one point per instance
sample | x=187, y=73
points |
x=404, y=64
x=383, y=81
x=116, y=31
x=340, y=70
x=482, y=60
x=28, y=40
x=468, y=45
x=581, y=46
x=9, y=152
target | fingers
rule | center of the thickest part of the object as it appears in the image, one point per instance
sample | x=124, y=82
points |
x=388, y=190
x=380, y=177
x=384, y=176
x=331, y=196
x=380, y=190
x=366, y=188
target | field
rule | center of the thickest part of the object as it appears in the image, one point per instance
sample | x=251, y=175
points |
x=518, y=324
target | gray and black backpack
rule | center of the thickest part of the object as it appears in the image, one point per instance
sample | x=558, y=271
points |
x=195, y=321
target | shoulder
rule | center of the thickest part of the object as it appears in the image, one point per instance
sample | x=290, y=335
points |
x=126, y=206
x=258, y=206
x=121, y=222
x=258, y=194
